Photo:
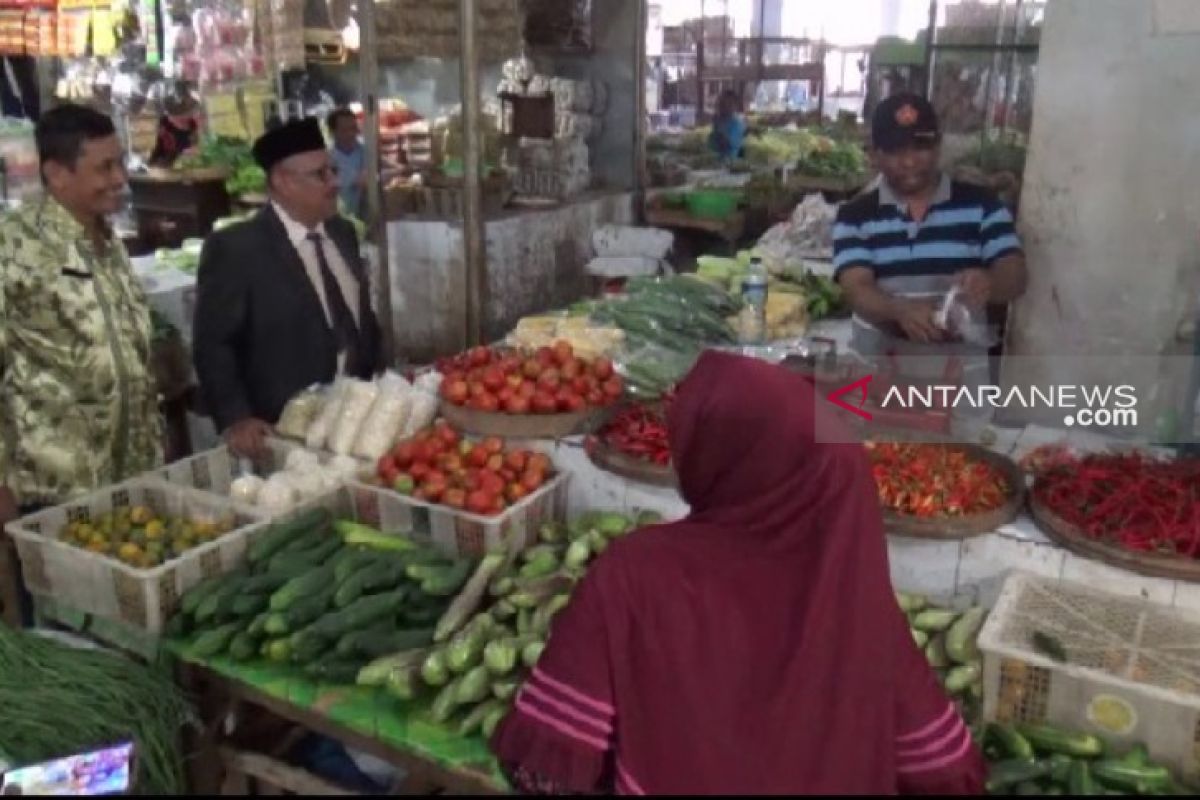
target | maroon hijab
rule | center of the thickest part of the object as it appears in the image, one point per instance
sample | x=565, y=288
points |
x=755, y=646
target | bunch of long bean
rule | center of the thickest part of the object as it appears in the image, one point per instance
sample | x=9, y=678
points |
x=57, y=700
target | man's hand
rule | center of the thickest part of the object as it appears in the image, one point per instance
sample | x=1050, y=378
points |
x=9, y=510
x=915, y=318
x=248, y=438
x=976, y=284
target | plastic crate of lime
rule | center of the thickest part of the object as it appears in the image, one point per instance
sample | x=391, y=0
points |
x=1121, y=668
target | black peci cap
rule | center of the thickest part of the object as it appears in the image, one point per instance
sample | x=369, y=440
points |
x=904, y=120
x=284, y=141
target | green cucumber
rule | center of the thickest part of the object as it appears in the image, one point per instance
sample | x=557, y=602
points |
x=362, y=613
x=333, y=669
x=214, y=642
x=248, y=605
x=352, y=561
x=274, y=538
x=300, y=587
x=1011, y=772
x=308, y=647
x=1011, y=743
x=1079, y=780
x=320, y=555
x=959, y=679
x=934, y=620
x=961, y=639
x=381, y=641
x=374, y=578
x=243, y=647
x=1049, y=739
x=1144, y=779
x=447, y=582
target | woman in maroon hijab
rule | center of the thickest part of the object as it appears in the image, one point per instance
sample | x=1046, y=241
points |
x=755, y=647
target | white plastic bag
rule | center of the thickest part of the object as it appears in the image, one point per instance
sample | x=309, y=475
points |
x=356, y=405
x=955, y=317
x=278, y=494
x=301, y=461
x=245, y=490
x=423, y=413
x=319, y=432
x=344, y=467
x=307, y=484
x=300, y=413
x=429, y=382
x=386, y=418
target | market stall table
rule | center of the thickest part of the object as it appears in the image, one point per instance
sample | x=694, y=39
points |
x=431, y=756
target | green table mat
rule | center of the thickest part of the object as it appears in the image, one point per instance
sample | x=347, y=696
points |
x=369, y=712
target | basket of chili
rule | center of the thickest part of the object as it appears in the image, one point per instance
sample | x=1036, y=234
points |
x=1125, y=509
x=931, y=490
x=632, y=443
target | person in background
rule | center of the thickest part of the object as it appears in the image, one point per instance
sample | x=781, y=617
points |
x=78, y=398
x=283, y=300
x=754, y=647
x=178, y=127
x=350, y=158
x=729, y=128
x=901, y=246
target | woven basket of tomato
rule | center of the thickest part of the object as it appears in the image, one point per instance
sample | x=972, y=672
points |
x=944, y=491
x=543, y=394
x=1127, y=509
x=632, y=442
x=439, y=466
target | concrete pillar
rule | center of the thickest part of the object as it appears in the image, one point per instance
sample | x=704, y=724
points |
x=1110, y=211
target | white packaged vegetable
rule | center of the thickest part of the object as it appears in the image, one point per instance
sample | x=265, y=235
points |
x=356, y=405
x=301, y=461
x=423, y=413
x=429, y=382
x=300, y=413
x=278, y=494
x=245, y=490
x=344, y=467
x=386, y=419
x=319, y=432
x=307, y=485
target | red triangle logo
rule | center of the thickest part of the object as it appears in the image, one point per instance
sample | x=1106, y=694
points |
x=860, y=386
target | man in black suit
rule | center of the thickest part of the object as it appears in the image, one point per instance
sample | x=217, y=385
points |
x=283, y=299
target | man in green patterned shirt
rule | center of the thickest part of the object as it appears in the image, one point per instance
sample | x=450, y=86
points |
x=78, y=401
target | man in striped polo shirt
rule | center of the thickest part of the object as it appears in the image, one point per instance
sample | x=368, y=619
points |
x=899, y=248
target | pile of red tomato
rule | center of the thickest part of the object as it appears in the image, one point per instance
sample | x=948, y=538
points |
x=548, y=381
x=482, y=477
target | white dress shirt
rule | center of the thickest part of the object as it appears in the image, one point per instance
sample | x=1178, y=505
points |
x=297, y=234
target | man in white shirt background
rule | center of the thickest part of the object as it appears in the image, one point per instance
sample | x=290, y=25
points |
x=283, y=300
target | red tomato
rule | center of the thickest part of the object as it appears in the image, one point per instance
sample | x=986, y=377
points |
x=516, y=460
x=545, y=357
x=563, y=353
x=479, y=502
x=602, y=368
x=575, y=403
x=613, y=387
x=448, y=435
x=571, y=369
x=455, y=392
x=493, y=379
x=493, y=444
x=425, y=452
x=549, y=379
x=528, y=390
x=479, y=356
x=488, y=402
x=477, y=388
x=479, y=456
x=505, y=395
x=540, y=462
x=595, y=397
x=508, y=474
x=531, y=368
x=562, y=399
x=455, y=498
x=491, y=482
x=579, y=386
x=514, y=380
x=435, y=476
x=544, y=403
x=387, y=464
x=434, y=489
x=517, y=404
x=498, y=504
x=515, y=492
x=495, y=462
x=419, y=471
x=532, y=480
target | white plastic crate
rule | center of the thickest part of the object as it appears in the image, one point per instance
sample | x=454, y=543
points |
x=452, y=531
x=1132, y=672
x=109, y=588
x=214, y=471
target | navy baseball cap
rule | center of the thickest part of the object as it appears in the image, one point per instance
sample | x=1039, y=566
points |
x=905, y=120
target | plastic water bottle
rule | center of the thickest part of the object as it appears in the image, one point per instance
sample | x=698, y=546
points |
x=754, y=295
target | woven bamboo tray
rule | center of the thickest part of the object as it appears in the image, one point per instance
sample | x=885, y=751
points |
x=965, y=527
x=612, y=460
x=518, y=426
x=1072, y=538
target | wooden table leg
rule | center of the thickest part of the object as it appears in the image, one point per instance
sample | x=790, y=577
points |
x=10, y=582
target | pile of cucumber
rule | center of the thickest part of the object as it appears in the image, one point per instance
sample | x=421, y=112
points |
x=329, y=596
x=495, y=630
x=949, y=639
x=1045, y=760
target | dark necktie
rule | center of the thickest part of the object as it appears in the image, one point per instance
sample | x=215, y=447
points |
x=345, y=332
